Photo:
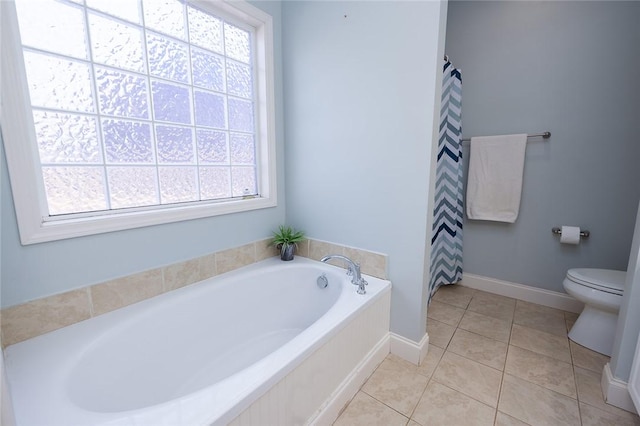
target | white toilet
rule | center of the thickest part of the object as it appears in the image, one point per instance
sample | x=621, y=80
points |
x=601, y=292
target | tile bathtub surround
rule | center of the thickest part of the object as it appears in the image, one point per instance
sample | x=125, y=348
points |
x=371, y=263
x=492, y=365
x=31, y=319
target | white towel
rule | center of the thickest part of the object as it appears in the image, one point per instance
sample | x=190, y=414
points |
x=494, y=186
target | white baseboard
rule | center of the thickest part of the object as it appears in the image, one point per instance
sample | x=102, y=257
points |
x=616, y=391
x=408, y=349
x=352, y=384
x=549, y=298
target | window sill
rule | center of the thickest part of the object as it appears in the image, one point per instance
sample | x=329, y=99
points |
x=40, y=231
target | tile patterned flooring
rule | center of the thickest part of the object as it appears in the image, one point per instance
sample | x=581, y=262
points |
x=492, y=360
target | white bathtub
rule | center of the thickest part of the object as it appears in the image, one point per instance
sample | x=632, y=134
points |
x=195, y=356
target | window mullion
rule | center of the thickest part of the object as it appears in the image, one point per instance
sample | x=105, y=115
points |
x=154, y=137
x=96, y=106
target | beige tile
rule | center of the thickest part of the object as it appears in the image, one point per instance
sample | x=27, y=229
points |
x=121, y=292
x=374, y=264
x=469, y=377
x=320, y=249
x=430, y=362
x=413, y=423
x=590, y=392
x=207, y=266
x=455, y=295
x=265, y=250
x=439, y=333
x=31, y=319
x=302, y=250
x=234, y=258
x=570, y=324
x=542, y=370
x=592, y=416
x=441, y=405
x=364, y=410
x=536, y=405
x=492, y=305
x=586, y=358
x=541, y=342
x=504, y=420
x=570, y=316
x=540, y=318
x=445, y=313
x=188, y=272
x=396, y=384
x=181, y=274
x=486, y=326
x=479, y=348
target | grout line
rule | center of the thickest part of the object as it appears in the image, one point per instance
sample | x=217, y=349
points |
x=385, y=404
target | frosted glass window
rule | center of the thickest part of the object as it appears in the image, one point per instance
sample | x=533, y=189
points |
x=116, y=44
x=240, y=115
x=205, y=30
x=242, y=148
x=178, y=184
x=139, y=103
x=175, y=144
x=210, y=110
x=215, y=182
x=239, y=80
x=212, y=147
x=125, y=9
x=208, y=70
x=58, y=83
x=243, y=181
x=73, y=189
x=122, y=94
x=168, y=58
x=127, y=141
x=67, y=138
x=65, y=36
x=132, y=186
x=237, y=43
x=165, y=16
x=171, y=102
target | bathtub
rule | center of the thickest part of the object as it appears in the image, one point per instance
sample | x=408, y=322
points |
x=203, y=354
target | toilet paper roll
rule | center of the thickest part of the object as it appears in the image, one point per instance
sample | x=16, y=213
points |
x=570, y=235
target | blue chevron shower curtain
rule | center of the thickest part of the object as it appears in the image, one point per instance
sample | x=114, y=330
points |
x=446, y=240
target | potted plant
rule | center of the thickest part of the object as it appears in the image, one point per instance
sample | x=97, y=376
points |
x=286, y=239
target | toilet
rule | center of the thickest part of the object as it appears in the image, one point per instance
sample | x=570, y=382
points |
x=601, y=292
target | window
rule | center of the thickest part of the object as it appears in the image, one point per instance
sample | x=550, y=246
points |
x=124, y=113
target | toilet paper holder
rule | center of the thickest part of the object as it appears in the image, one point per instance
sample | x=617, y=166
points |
x=557, y=230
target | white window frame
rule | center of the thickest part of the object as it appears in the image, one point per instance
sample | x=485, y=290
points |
x=18, y=133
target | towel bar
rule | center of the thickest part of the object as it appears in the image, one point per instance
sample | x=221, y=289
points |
x=583, y=234
x=544, y=135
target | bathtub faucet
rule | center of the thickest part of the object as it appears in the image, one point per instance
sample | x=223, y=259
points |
x=353, y=269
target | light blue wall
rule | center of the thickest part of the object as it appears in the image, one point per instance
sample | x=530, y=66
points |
x=570, y=68
x=360, y=85
x=35, y=271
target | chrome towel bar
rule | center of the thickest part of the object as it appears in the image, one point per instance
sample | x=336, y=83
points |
x=543, y=135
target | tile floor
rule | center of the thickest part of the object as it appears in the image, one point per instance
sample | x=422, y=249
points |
x=492, y=360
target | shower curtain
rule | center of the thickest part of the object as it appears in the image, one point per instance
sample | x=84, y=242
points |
x=446, y=240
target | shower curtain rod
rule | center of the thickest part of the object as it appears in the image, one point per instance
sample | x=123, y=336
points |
x=544, y=135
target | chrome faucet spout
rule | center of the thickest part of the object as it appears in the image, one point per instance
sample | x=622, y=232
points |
x=353, y=269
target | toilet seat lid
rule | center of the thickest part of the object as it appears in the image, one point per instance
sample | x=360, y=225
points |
x=605, y=279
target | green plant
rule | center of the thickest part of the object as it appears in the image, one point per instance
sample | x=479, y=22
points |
x=286, y=236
